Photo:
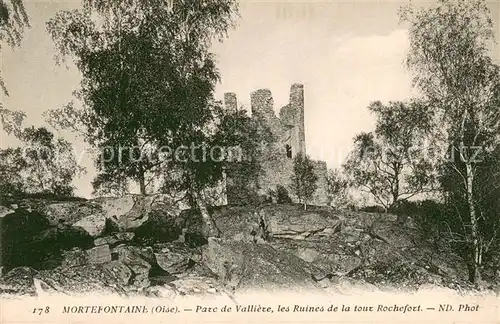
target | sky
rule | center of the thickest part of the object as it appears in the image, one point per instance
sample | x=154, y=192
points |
x=346, y=53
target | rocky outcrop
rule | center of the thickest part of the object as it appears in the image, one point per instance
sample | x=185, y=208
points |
x=269, y=247
x=289, y=222
x=275, y=221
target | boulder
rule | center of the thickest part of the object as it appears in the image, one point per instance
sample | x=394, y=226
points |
x=331, y=255
x=239, y=223
x=119, y=271
x=99, y=254
x=95, y=224
x=246, y=266
x=4, y=211
x=135, y=259
x=68, y=212
x=116, y=207
x=308, y=254
x=127, y=213
x=173, y=261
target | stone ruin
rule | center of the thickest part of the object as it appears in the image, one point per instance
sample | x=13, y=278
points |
x=276, y=160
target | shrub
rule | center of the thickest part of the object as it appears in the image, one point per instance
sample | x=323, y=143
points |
x=282, y=195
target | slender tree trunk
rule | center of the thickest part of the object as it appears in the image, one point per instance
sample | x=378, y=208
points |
x=475, y=274
x=142, y=180
x=395, y=188
x=142, y=186
x=209, y=227
x=305, y=205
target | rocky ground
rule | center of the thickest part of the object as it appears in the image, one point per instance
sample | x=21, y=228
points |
x=149, y=246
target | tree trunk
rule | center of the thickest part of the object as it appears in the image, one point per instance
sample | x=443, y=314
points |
x=142, y=181
x=209, y=228
x=305, y=205
x=142, y=186
x=475, y=275
x=395, y=187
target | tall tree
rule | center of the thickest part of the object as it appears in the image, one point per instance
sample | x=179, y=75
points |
x=13, y=21
x=304, y=179
x=148, y=79
x=391, y=163
x=449, y=47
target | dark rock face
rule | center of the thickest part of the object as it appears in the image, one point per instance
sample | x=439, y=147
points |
x=274, y=221
x=19, y=248
x=28, y=239
x=69, y=237
x=239, y=223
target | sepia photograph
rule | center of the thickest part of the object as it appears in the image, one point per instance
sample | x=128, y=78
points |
x=225, y=161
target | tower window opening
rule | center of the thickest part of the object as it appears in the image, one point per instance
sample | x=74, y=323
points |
x=288, y=151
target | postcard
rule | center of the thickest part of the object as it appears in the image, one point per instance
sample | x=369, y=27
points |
x=225, y=161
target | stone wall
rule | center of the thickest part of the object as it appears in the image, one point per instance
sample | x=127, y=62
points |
x=276, y=160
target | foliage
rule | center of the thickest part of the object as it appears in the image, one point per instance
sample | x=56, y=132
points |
x=391, y=163
x=304, y=179
x=148, y=80
x=337, y=188
x=43, y=165
x=449, y=58
x=147, y=76
x=279, y=195
x=13, y=21
x=241, y=136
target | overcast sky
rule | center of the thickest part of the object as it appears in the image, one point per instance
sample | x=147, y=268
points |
x=347, y=54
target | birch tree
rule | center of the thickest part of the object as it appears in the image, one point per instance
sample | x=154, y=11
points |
x=449, y=59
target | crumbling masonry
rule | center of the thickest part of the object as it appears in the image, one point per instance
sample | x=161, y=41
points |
x=287, y=140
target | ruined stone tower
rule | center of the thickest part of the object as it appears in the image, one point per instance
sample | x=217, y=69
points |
x=292, y=117
x=287, y=140
x=230, y=101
